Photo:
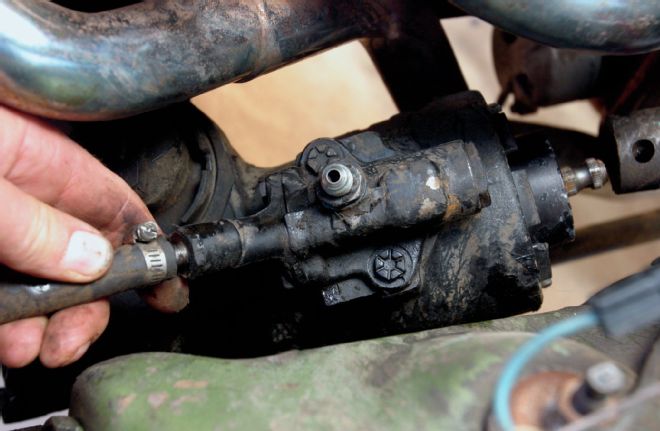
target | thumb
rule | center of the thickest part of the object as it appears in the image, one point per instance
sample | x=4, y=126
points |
x=40, y=240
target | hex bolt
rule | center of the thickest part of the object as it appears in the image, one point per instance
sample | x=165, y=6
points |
x=389, y=265
x=337, y=180
x=591, y=174
x=146, y=232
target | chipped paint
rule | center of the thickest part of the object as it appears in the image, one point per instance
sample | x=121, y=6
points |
x=124, y=402
x=157, y=399
x=433, y=183
x=429, y=380
x=191, y=384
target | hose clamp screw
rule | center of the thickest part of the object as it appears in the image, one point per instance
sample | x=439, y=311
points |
x=146, y=232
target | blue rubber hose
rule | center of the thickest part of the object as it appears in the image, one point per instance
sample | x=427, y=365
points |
x=512, y=370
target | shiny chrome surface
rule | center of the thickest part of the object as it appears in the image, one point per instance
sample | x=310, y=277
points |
x=613, y=26
x=72, y=65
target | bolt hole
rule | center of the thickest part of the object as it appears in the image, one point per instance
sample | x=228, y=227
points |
x=643, y=150
x=334, y=176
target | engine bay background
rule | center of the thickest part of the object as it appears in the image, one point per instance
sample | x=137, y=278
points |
x=271, y=118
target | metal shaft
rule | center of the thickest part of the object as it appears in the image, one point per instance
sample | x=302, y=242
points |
x=612, y=235
x=592, y=174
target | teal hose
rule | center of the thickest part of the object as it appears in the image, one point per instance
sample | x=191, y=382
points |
x=512, y=370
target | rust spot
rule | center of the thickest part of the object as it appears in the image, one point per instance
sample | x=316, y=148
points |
x=541, y=396
x=157, y=399
x=177, y=403
x=191, y=384
x=124, y=402
x=453, y=207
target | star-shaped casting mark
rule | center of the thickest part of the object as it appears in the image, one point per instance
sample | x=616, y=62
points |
x=389, y=265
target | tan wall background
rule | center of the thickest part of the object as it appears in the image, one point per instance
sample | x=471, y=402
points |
x=270, y=119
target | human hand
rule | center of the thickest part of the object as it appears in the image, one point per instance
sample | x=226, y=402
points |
x=62, y=213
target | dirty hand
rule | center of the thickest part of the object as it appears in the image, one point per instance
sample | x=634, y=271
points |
x=62, y=212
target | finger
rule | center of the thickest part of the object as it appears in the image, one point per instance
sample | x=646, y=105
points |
x=170, y=296
x=42, y=241
x=20, y=341
x=46, y=164
x=70, y=332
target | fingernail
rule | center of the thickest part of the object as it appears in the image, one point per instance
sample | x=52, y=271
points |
x=87, y=254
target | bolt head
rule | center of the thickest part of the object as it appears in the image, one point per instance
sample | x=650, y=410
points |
x=389, y=265
x=146, y=232
x=605, y=378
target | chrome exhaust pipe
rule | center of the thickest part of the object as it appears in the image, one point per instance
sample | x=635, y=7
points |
x=608, y=26
x=72, y=65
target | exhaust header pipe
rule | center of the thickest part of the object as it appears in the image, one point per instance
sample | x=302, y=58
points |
x=608, y=26
x=71, y=65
